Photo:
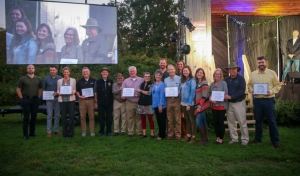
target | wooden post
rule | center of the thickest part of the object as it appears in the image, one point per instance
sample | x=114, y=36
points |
x=200, y=40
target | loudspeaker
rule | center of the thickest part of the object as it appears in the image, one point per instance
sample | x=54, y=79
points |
x=292, y=78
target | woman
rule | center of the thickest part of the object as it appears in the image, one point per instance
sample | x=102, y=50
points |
x=72, y=49
x=23, y=48
x=179, y=67
x=159, y=104
x=201, y=104
x=46, y=45
x=187, y=96
x=16, y=13
x=218, y=107
x=66, y=88
x=145, y=105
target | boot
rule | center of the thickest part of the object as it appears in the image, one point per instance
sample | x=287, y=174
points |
x=192, y=141
x=183, y=127
x=206, y=132
x=187, y=139
x=202, y=136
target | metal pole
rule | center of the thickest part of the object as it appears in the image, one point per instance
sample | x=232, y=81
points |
x=278, y=49
x=227, y=34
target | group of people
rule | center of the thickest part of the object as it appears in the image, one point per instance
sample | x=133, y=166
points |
x=174, y=95
x=29, y=47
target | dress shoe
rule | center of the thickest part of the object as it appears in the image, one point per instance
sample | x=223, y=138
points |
x=143, y=136
x=276, y=145
x=192, y=141
x=169, y=138
x=108, y=134
x=123, y=133
x=115, y=134
x=32, y=135
x=57, y=133
x=49, y=135
x=100, y=134
x=218, y=143
x=129, y=135
x=26, y=137
x=255, y=142
x=177, y=139
x=152, y=136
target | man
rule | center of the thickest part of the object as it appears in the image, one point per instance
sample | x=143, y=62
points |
x=119, y=106
x=95, y=46
x=50, y=84
x=131, y=102
x=264, y=104
x=293, y=52
x=104, y=101
x=29, y=90
x=237, y=106
x=173, y=108
x=85, y=91
x=163, y=68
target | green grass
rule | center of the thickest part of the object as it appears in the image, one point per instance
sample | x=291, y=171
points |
x=132, y=156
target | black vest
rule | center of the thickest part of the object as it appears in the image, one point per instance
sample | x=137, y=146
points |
x=104, y=95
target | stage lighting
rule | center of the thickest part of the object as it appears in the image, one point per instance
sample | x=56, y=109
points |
x=174, y=36
x=185, y=49
x=186, y=21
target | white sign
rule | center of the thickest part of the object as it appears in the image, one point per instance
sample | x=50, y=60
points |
x=171, y=91
x=260, y=89
x=65, y=90
x=48, y=95
x=128, y=92
x=217, y=95
x=68, y=61
x=88, y=92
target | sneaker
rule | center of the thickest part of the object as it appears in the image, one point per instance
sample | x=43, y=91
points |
x=92, y=134
x=232, y=142
x=108, y=134
x=83, y=134
x=244, y=143
x=49, y=135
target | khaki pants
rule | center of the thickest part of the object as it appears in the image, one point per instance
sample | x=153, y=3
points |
x=87, y=106
x=133, y=118
x=119, y=109
x=237, y=111
x=173, y=110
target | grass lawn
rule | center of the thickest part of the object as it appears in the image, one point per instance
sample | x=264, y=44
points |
x=121, y=155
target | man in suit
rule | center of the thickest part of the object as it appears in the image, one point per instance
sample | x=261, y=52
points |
x=293, y=52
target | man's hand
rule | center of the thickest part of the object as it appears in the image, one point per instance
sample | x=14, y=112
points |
x=227, y=97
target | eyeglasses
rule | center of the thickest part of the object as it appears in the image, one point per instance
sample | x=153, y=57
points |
x=69, y=35
x=147, y=76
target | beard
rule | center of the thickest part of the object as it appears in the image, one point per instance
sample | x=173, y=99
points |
x=30, y=72
x=262, y=67
x=162, y=67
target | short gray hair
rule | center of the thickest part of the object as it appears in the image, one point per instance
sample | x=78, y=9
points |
x=131, y=68
x=85, y=68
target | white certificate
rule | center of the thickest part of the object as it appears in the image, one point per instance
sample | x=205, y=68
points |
x=217, y=95
x=65, y=90
x=260, y=89
x=48, y=95
x=171, y=91
x=128, y=92
x=88, y=92
x=68, y=61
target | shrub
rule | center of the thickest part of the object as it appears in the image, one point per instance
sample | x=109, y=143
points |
x=288, y=112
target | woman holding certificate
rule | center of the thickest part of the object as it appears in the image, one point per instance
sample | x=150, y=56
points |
x=218, y=89
x=159, y=104
x=66, y=89
x=187, y=96
x=201, y=104
x=145, y=105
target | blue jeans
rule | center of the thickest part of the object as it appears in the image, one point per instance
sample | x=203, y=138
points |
x=53, y=105
x=288, y=65
x=201, y=119
x=265, y=107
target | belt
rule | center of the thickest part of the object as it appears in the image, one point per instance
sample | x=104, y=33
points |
x=24, y=96
x=264, y=98
x=235, y=101
x=89, y=98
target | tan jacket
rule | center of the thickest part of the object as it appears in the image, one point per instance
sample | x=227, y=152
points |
x=72, y=83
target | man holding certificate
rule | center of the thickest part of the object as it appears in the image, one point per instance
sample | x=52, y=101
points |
x=236, y=104
x=51, y=96
x=264, y=102
x=130, y=92
x=104, y=101
x=85, y=92
x=173, y=109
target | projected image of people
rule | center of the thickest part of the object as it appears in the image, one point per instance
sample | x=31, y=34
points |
x=72, y=49
x=45, y=40
x=23, y=48
x=15, y=14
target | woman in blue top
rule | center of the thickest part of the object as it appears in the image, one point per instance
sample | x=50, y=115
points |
x=187, y=96
x=23, y=48
x=159, y=104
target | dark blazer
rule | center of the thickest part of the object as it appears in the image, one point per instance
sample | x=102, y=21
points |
x=104, y=95
x=293, y=49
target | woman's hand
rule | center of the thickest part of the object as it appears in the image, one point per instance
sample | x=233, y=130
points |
x=160, y=109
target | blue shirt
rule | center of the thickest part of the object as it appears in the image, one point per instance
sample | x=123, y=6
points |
x=236, y=88
x=172, y=82
x=158, y=95
x=50, y=84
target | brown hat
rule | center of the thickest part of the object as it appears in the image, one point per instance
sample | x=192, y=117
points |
x=104, y=68
x=119, y=75
x=233, y=65
x=91, y=22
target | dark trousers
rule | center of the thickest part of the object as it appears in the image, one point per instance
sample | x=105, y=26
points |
x=161, y=119
x=265, y=108
x=30, y=107
x=105, y=118
x=67, y=125
x=219, y=116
